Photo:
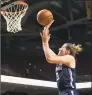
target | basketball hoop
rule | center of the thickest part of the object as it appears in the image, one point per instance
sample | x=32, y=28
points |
x=13, y=15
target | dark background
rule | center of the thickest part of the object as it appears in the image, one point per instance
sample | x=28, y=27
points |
x=22, y=54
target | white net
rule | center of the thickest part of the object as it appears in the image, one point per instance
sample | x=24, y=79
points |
x=13, y=16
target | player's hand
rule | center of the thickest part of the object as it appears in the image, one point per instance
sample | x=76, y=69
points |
x=46, y=28
x=45, y=39
x=45, y=33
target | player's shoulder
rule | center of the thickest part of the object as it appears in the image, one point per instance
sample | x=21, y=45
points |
x=70, y=57
x=72, y=62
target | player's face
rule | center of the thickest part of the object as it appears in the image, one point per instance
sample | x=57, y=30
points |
x=63, y=51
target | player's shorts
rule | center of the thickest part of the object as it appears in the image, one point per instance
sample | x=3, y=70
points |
x=68, y=92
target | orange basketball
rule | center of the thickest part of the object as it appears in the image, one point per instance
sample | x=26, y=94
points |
x=44, y=17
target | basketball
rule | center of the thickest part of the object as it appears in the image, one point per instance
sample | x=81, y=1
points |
x=44, y=17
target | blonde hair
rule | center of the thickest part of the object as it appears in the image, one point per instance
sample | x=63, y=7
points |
x=77, y=48
x=74, y=49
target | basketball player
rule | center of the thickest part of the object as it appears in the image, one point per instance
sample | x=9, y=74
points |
x=65, y=63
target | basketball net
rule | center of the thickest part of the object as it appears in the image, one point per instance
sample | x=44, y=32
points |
x=13, y=15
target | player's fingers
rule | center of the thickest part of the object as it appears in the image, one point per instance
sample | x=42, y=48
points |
x=40, y=34
x=44, y=28
x=48, y=26
x=45, y=31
